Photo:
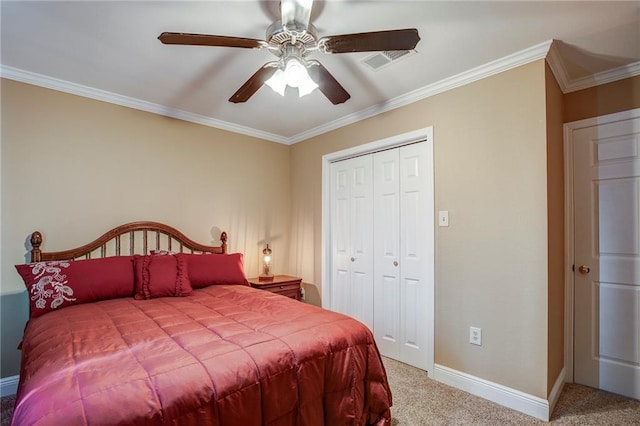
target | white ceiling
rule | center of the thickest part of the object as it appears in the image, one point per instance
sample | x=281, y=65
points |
x=109, y=50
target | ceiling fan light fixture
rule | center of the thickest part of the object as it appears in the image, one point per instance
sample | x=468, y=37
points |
x=295, y=74
x=277, y=82
x=306, y=87
x=290, y=39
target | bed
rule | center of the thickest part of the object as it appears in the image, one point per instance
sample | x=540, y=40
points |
x=145, y=326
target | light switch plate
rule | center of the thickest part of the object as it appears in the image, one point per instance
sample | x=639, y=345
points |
x=443, y=218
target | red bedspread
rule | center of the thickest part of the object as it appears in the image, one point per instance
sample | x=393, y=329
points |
x=227, y=355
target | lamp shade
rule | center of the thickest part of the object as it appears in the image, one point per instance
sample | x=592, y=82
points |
x=266, y=266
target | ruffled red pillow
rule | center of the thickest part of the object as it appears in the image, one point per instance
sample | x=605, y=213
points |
x=210, y=269
x=161, y=276
x=56, y=284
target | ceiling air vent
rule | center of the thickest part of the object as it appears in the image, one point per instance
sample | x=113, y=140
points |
x=381, y=60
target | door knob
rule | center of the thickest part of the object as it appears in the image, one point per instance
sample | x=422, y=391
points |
x=584, y=269
x=353, y=259
x=395, y=263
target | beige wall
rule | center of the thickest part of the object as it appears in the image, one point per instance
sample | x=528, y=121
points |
x=74, y=167
x=555, y=229
x=490, y=146
x=621, y=95
x=497, y=170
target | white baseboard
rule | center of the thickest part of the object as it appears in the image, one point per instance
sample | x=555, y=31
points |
x=557, y=390
x=511, y=398
x=9, y=385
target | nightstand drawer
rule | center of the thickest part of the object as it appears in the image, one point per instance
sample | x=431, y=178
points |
x=281, y=288
x=281, y=284
x=294, y=294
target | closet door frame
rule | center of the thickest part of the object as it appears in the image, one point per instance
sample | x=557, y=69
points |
x=426, y=135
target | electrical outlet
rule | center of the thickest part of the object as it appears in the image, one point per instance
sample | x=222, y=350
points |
x=475, y=336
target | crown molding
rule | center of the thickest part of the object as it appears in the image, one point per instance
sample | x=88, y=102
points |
x=568, y=85
x=620, y=73
x=546, y=50
x=555, y=62
x=512, y=61
x=114, y=98
x=506, y=63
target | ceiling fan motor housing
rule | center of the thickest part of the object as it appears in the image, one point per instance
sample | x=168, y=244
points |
x=278, y=37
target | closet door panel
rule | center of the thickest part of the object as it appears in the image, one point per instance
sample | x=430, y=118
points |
x=387, y=320
x=361, y=303
x=352, y=238
x=341, y=291
x=416, y=219
x=411, y=314
x=340, y=241
x=361, y=225
x=386, y=189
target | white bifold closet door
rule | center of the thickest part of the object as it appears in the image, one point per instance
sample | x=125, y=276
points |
x=402, y=182
x=382, y=247
x=352, y=238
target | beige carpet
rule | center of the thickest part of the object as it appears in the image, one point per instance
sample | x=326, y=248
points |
x=418, y=401
x=6, y=409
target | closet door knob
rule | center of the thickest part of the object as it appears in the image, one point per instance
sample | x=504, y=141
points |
x=353, y=259
x=395, y=263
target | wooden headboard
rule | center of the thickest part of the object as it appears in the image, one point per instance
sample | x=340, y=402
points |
x=131, y=238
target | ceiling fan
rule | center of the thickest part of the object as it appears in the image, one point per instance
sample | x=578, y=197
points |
x=291, y=39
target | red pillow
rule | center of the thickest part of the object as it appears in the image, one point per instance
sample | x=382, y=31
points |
x=209, y=269
x=56, y=284
x=161, y=276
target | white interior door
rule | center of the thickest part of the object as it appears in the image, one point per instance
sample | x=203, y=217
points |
x=607, y=256
x=403, y=245
x=352, y=238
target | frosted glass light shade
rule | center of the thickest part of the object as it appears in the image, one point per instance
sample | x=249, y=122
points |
x=295, y=75
x=277, y=82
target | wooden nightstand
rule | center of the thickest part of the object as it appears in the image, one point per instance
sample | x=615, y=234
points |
x=281, y=284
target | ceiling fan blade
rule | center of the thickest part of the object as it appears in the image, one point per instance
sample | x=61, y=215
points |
x=255, y=82
x=375, y=41
x=210, y=40
x=327, y=84
x=296, y=14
